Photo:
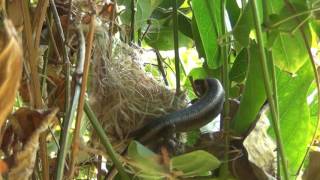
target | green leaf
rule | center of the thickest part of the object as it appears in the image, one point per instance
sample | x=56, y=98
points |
x=196, y=163
x=145, y=160
x=243, y=26
x=144, y=9
x=164, y=10
x=253, y=96
x=208, y=17
x=161, y=38
x=295, y=122
x=197, y=39
x=240, y=66
x=289, y=52
x=184, y=24
x=233, y=11
x=289, y=49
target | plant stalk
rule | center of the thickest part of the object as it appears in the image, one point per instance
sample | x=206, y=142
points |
x=176, y=45
x=268, y=88
x=105, y=141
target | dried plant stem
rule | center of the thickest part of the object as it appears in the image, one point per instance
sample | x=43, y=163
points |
x=87, y=59
x=52, y=40
x=35, y=83
x=66, y=60
x=38, y=21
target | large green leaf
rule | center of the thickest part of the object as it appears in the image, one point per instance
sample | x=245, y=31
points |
x=145, y=161
x=295, y=123
x=289, y=52
x=233, y=11
x=144, y=9
x=208, y=18
x=288, y=49
x=184, y=24
x=253, y=96
x=164, y=10
x=197, y=38
x=196, y=163
x=161, y=38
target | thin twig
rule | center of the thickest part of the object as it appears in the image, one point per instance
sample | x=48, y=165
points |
x=176, y=45
x=161, y=68
x=226, y=85
x=52, y=40
x=133, y=11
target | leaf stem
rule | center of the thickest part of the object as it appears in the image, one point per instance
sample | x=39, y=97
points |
x=276, y=24
x=105, y=141
x=273, y=79
x=268, y=88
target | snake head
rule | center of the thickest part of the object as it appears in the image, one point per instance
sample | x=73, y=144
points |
x=200, y=86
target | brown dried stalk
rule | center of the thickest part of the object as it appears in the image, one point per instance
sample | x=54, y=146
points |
x=36, y=98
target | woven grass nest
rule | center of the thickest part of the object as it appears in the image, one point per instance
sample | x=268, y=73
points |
x=122, y=94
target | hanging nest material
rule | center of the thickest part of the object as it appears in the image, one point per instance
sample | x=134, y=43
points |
x=122, y=94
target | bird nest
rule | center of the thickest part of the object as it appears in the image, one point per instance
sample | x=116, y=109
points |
x=122, y=95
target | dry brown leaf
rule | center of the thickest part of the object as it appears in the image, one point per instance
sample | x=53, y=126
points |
x=10, y=69
x=24, y=160
x=312, y=171
x=25, y=121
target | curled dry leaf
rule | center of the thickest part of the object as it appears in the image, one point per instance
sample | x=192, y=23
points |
x=24, y=160
x=10, y=68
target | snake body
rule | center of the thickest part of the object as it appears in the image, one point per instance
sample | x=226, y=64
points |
x=195, y=116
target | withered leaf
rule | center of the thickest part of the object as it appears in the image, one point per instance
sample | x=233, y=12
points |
x=24, y=160
x=10, y=69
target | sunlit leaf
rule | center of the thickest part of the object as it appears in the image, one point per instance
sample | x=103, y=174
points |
x=196, y=163
x=208, y=18
x=295, y=122
x=144, y=9
x=146, y=162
